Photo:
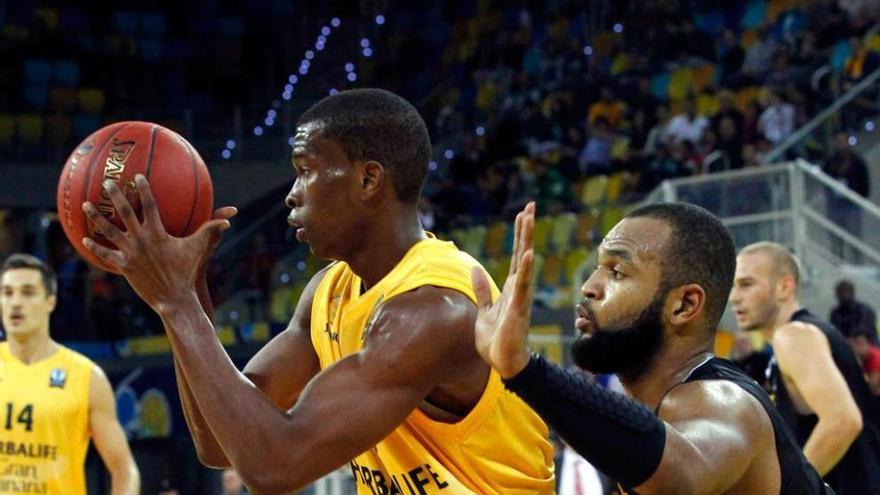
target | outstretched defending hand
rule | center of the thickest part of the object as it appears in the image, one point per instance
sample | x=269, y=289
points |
x=502, y=328
x=159, y=266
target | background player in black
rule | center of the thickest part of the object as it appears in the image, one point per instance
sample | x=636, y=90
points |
x=649, y=314
x=818, y=385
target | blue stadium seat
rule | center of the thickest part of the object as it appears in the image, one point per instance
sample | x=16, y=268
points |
x=150, y=49
x=37, y=71
x=83, y=125
x=30, y=129
x=66, y=73
x=756, y=12
x=839, y=54
x=126, y=23
x=7, y=129
x=153, y=24
x=36, y=96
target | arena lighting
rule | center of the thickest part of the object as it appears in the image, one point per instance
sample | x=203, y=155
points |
x=869, y=126
x=448, y=154
x=588, y=50
x=294, y=78
x=481, y=131
x=432, y=165
x=618, y=28
x=852, y=141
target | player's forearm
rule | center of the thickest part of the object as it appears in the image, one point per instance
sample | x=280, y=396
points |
x=830, y=440
x=208, y=450
x=621, y=437
x=255, y=435
x=125, y=480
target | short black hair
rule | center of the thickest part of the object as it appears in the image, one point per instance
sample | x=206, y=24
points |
x=374, y=124
x=22, y=260
x=699, y=251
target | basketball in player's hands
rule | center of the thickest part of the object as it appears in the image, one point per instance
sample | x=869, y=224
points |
x=178, y=179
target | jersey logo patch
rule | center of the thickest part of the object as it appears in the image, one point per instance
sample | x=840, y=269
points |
x=57, y=378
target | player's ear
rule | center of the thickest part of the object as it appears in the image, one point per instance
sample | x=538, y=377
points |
x=52, y=301
x=373, y=179
x=687, y=303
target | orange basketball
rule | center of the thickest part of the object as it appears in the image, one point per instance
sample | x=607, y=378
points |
x=176, y=173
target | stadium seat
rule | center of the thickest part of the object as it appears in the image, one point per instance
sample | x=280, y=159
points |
x=63, y=99
x=91, y=100
x=707, y=103
x=7, y=129
x=573, y=261
x=48, y=16
x=711, y=22
x=610, y=216
x=496, y=235
x=126, y=23
x=561, y=233
x=37, y=71
x=313, y=264
x=59, y=128
x=756, y=12
x=280, y=309
x=150, y=49
x=583, y=229
x=613, y=188
x=153, y=24
x=83, y=125
x=65, y=73
x=680, y=83
x=498, y=269
x=593, y=193
x=475, y=238
x=537, y=267
x=30, y=129
x=551, y=271
x=541, y=233
x=660, y=86
x=36, y=96
x=704, y=76
x=839, y=54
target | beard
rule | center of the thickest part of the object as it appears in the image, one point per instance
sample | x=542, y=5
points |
x=623, y=347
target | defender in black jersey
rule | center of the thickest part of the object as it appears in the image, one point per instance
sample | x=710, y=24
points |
x=813, y=376
x=695, y=423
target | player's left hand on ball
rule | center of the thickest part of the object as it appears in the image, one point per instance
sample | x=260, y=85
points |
x=159, y=266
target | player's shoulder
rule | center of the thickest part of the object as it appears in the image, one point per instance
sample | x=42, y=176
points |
x=718, y=400
x=794, y=334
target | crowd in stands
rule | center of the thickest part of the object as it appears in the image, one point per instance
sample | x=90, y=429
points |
x=538, y=101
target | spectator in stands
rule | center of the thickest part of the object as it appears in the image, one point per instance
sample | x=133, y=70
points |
x=730, y=56
x=730, y=148
x=607, y=108
x=468, y=163
x=595, y=158
x=850, y=315
x=759, y=57
x=848, y=167
x=727, y=110
x=687, y=126
x=860, y=63
x=777, y=120
x=869, y=356
x=232, y=484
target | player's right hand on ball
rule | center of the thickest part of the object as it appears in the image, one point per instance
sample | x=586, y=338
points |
x=502, y=328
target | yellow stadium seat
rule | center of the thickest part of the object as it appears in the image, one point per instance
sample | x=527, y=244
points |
x=724, y=342
x=610, y=216
x=496, y=235
x=872, y=43
x=748, y=37
x=537, y=267
x=473, y=239
x=680, y=83
x=707, y=104
x=551, y=271
x=91, y=100
x=7, y=129
x=31, y=128
x=573, y=260
x=746, y=96
x=498, y=269
x=313, y=264
x=561, y=232
x=593, y=193
x=613, y=188
x=541, y=233
x=280, y=309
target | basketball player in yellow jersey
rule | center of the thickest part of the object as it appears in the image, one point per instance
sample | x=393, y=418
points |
x=378, y=367
x=52, y=399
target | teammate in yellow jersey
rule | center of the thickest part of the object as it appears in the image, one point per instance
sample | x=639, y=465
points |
x=378, y=367
x=52, y=399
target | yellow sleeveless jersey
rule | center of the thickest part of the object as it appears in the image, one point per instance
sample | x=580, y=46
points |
x=500, y=447
x=44, y=423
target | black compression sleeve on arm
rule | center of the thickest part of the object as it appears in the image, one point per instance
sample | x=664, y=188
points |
x=619, y=436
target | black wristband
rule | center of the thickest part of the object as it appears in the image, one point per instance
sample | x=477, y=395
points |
x=618, y=435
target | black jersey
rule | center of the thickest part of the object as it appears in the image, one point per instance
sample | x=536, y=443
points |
x=858, y=472
x=797, y=475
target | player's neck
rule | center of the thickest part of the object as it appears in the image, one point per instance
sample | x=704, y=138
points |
x=386, y=243
x=783, y=316
x=671, y=366
x=32, y=348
